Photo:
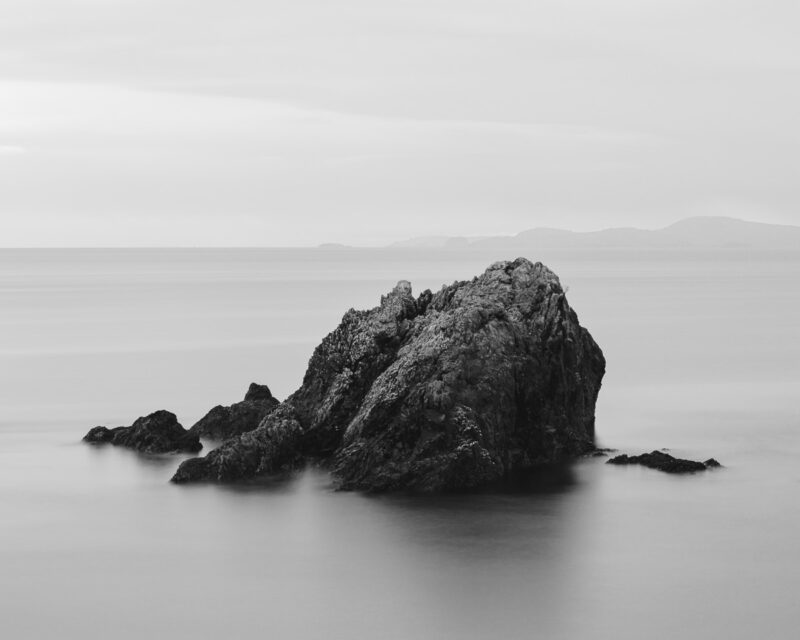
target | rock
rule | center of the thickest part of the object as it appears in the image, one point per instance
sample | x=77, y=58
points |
x=159, y=432
x=101, y=435
x=225, y=422
x=264, y=450
x=259, y=393
x=665, y=462
x=599, y=453
x=446, y=391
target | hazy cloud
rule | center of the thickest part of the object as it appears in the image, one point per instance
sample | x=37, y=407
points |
x=179, y=122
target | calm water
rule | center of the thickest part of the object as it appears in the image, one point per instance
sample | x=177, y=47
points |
x=704, y=358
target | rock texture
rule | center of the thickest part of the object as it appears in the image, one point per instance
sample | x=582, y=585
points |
x=441, y=392
x=225, y=422
x=665, y=462
x=159, y=432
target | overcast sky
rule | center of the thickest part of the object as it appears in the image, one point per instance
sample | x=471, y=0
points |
x=262, y=122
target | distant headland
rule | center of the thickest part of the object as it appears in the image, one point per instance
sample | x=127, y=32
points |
x=702, y=232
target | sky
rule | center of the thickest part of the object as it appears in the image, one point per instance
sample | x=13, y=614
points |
x=292, y=123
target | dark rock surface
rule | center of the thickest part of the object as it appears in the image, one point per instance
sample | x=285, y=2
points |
x=225, y=422
x=159, y=432
x=274, y=447
x=665, y=462
x=445, y=391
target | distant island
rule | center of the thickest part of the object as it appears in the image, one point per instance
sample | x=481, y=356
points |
x=697, y=232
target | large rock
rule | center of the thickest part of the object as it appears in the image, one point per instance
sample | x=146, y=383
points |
x=445, y=391
x=225, y=422
x=159, y=432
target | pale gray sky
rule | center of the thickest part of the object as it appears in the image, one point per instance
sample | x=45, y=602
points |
x=256, y=122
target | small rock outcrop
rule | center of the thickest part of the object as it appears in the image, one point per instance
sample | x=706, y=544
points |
x=225, y=422
x=665, y=462
x=441, y=392
x=159, y=432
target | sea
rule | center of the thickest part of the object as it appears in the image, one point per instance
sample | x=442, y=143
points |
x=703, y=351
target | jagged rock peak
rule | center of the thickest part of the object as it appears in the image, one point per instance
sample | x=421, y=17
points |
x=399, y=303
x=258, y=393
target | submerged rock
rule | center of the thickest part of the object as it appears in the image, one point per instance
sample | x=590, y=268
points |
x=159, y=432
x=225, y=422
x=445, y=391
x=665, y=462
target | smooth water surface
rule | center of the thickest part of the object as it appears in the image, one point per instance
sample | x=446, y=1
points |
x=703, y=355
